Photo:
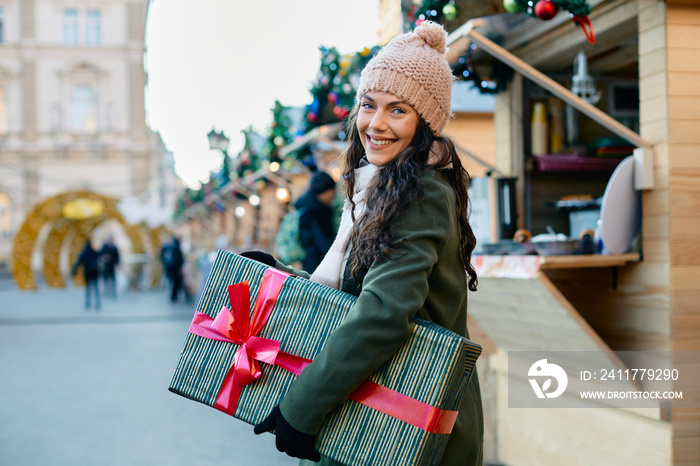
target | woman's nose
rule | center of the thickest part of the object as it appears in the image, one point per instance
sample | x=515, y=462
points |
x=379, y=121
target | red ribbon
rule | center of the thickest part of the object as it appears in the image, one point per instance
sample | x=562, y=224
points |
x=586, y=27
x=237, y=326
x=404, y=408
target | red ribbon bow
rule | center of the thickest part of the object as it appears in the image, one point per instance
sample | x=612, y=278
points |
x=238, y=326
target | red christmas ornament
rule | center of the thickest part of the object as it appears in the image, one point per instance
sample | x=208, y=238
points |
x=312, y=117
x=546, y=10
x=340, y=112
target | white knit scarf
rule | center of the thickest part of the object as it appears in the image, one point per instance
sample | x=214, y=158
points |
x=330, y=271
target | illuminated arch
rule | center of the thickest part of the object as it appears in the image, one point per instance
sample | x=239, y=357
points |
x=51, y=252
x=64, y=228
x=156, y=237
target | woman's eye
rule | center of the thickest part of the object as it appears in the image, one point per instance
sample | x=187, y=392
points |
x=368, y=106
x=398, y=110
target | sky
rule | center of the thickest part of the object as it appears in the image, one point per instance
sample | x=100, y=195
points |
x=222, y=64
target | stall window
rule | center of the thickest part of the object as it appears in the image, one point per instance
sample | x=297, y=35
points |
x=92, y=28
x=70, y=27
x=5, y=216
x=84, y=109
x=624, y=104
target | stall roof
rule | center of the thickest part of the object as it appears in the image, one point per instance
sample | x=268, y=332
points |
x=325, y=135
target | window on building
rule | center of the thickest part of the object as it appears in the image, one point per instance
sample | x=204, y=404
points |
x=70, y=27
x=5, y=216
x=92, y=27
x=3, y=111
x=84, y=109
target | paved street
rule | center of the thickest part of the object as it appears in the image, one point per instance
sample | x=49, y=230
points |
x=82, y=387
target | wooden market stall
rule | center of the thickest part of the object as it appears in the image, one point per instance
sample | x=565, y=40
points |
x=646, y=299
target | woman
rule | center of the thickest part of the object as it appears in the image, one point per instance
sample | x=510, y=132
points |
x=403, y=246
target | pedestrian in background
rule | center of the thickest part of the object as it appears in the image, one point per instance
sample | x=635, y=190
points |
x=89, y=260
x=174, y=269
x=316, y=228
x=109, y=255
x=403, y=246
x=166, y=257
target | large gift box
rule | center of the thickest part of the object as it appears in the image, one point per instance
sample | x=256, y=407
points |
x=256, y=328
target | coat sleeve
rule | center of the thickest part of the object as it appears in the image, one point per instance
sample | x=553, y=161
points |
x=379, y=322
x=286, y=268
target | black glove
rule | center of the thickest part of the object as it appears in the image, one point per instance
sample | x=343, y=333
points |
x=289, y=440
x=259, y=256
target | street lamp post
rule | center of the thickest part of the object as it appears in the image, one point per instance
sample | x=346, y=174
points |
x=219, y=141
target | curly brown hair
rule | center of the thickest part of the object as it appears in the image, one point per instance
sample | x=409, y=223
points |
x=395, y=189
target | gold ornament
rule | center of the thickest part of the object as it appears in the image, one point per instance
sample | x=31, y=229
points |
x=83, y=209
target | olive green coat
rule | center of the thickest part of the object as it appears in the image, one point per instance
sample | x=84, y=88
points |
x=426, y=280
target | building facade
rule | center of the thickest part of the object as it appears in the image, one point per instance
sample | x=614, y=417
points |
x=72, y=107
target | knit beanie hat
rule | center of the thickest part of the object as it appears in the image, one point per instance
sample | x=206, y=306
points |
x=321, y=182
x=413, y=67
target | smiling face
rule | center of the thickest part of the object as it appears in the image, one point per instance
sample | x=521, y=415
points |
x=386, y=125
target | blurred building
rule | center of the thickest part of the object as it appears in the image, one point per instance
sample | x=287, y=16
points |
x=72, y=110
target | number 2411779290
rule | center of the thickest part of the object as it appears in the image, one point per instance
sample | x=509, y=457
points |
x=638, y=374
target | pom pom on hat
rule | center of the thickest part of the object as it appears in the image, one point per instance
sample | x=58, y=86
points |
x=433, y=34
x=413, y=67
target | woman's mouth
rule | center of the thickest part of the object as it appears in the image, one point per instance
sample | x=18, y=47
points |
x=380, y=142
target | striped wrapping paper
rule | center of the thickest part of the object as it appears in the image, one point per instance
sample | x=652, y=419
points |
x=433, y=366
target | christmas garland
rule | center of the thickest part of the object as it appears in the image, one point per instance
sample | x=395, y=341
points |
x=333, y=92
x=548, y=9
x=501, y=74
x=279, y=133
x=574, y=7
x=434, y=10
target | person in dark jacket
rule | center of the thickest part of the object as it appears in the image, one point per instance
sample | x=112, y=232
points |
x=166, y=257
x=174, y=269
x=89, y=260
x=109, y=254
x=316, y=228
